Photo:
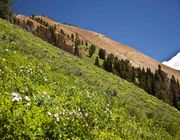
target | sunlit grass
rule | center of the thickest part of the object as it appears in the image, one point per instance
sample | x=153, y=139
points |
x=61, y=96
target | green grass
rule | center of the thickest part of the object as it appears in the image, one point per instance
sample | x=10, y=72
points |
x=90, y=103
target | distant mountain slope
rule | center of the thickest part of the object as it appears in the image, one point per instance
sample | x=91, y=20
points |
x=174, y=62
x=137, y=58
x=48, y=93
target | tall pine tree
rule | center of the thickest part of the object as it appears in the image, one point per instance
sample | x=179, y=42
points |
x=92, y=50
x=97, y=61
x=102, y=53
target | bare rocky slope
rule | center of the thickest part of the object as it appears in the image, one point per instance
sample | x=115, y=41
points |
x=137, y=58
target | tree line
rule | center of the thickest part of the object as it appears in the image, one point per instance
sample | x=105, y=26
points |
x=155, y=83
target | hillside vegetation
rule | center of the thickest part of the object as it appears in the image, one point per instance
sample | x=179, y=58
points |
x=157, y=83
x=48, y=93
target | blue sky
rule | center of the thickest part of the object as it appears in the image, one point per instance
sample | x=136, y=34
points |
x=150, y=26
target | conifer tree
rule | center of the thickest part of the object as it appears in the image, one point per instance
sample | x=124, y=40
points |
x=82, y=42
x=97, y=61
x=174, y=91
x=30, y=25
x=33, y=16
x=62, y=32
x=116, y=66
x=5, y=10
x=92, y=50
x=133, y=75
x=46, y=24
x=108, y=63
x=55, y=27
x=72, y=37
x=77, y=42
x=68, y=36
x=76, y=51
x=102, y=53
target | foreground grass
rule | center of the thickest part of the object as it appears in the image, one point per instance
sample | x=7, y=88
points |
x=46, y=92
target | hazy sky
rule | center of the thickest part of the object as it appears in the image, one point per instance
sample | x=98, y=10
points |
x=150, y=26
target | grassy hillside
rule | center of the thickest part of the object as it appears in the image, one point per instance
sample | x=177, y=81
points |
x=46, y=92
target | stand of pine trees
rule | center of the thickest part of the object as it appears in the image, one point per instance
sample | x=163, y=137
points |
x=48, y=33
x=157, y=84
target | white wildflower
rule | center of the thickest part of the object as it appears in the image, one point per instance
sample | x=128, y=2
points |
x=16, y=97
x=80, y=114
x=49, y=113
x=86, y=114
x=44, y=92
x=28, y=104
x=57, y=117
x=21, y=67
x=26, y=98
x=15, y=94
x=45, y=79
x=63, y=112
x=88, y=95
